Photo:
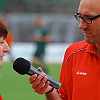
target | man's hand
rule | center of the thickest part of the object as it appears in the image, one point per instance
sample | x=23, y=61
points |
x=40, y=83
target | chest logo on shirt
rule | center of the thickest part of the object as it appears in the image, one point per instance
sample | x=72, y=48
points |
x=81, y=73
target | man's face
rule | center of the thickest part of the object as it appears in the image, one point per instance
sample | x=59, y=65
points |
x=91, y=31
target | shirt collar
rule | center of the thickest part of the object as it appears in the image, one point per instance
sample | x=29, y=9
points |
x=91, y=48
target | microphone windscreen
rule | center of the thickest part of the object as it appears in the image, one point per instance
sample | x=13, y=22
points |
x=21, y=66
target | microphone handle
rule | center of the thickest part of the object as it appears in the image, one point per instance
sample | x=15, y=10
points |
x=53, y=83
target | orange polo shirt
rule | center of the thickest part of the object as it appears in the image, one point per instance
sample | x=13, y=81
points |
x=80, y=73
x=1, y=97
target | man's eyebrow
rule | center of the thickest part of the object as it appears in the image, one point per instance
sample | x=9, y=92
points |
x=87, y=16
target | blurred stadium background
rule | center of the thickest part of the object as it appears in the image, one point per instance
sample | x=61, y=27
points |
x=20, y=14
x=57, y=14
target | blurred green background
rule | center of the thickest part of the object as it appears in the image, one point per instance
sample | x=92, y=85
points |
x=16, y=87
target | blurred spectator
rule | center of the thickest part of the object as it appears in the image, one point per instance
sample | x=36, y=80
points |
x=10, y=38
x=41, y=37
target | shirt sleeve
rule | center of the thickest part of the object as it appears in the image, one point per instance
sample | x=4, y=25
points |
x=65, y=91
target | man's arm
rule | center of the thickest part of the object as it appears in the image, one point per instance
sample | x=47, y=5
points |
x=52, y=96
x=41, y=86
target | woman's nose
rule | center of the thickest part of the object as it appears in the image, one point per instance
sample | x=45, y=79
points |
x=6, y=47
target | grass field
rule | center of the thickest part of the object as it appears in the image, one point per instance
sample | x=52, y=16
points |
x=16, y=87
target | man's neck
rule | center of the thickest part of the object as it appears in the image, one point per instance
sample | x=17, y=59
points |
x=97, y=48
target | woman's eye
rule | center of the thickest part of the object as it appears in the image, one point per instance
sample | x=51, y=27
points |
x=2, y=42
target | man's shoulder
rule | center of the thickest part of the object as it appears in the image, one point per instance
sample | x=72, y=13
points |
x=77, y=46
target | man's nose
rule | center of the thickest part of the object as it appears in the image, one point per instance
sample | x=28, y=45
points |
x=82, y=25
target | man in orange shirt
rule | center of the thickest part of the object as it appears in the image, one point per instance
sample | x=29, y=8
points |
x=80, y=72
